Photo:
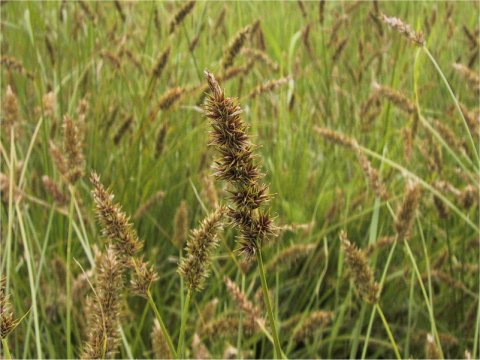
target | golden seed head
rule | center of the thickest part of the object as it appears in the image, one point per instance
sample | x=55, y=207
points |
x=234, y=47
x=180, y=229
x=7, y=320
x=431, y=348
x=115, y=223
x=252, y=312
x=49, y=104
x=315, y=321
x=404, y=29
x=72, y=146
x=360, y=271
x=406, y=212
x=195, y=266
x=143, y=277
x=10, y=110
x=103, y=309
x=180, y=15
x=270, y=85
x=54, y=190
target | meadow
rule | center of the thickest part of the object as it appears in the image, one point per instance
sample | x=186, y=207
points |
x=240, y=179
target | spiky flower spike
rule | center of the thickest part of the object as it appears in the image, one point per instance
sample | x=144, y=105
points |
x=406, y=213
x=116, y=226
x=234, y=47
x=143, y=277
x=194, y=268
x=104, y=308
x=236, y=165
x=360, y=271
x=7, y=321
x=180, y=15
x=252, y=312
x=404, y=29
x=11, y=111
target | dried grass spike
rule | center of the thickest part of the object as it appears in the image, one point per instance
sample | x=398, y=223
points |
x=404, y=29
x=115, y=223
x=406, y=212
x=194, y=267
x=360, y=271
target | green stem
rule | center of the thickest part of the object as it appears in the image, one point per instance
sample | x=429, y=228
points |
x=454, y=98
x=266, y=297
x=6, y=349
x=166, y=335
x=68, y=275
x=425, y=295
x=389, y=332
x=181, y=336
x=372, y=316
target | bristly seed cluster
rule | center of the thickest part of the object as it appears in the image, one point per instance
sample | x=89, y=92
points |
x=194, y=267
x=360, y=271
x=236, y=165
x=115, y=223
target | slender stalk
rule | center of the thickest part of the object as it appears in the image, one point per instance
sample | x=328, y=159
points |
x=181, y=336
x=68, y=284
x=266, y=297
x=454, y=98
x=162, y=324
x=425, y=295
x=6, y=350
x=389, y=332
x=374, y=310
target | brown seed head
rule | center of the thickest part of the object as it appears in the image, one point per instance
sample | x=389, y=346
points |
x=234, y=47
x=115, y=223
x=315, y=321
x=360, y=271
x=180, y=15
x=236, y=165
x=7, y=320
x=103, y=309
x=194, y=267
x=404, y=29
x=143, y=277
x=180, y=229
x=72, y=145
x=406, y=212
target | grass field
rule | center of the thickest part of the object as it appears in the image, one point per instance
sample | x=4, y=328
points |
x=364, y=128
